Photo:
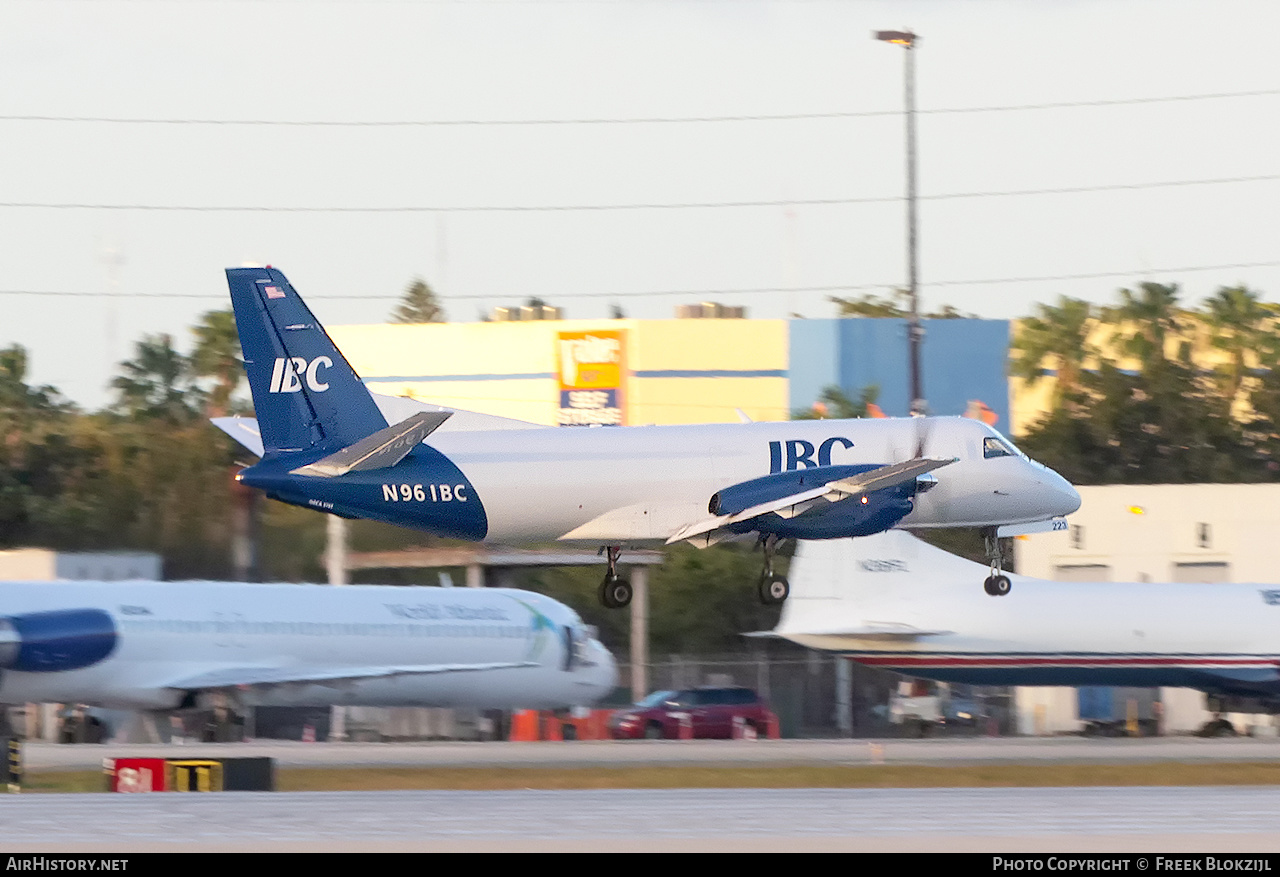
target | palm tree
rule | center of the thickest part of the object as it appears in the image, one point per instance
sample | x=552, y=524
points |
x=1148, y=319
x=1060, y=335
x=1240, y=325
x=217, y=355
x=156, y=383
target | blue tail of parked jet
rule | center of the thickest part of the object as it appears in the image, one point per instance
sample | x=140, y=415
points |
x=306, y=395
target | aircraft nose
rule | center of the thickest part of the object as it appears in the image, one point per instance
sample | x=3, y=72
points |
x=1065, y=499
x=608, y=671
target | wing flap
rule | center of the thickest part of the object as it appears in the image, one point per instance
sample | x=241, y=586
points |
x=779, y=506
x=885, y=476
x=233, y=677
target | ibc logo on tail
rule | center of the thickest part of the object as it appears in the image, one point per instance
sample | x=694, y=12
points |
x=289, y=373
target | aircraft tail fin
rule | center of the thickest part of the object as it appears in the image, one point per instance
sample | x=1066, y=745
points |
x=305, y=393
x=870, y=580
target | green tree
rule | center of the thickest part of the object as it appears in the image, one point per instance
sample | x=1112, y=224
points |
x=898, y=305
x=1146, y=320
x=1240, y=325
x=15, y=393
x=217, y=355
x=834, y=404
x=419, y=305
x=1058, y=336
x=157, y=383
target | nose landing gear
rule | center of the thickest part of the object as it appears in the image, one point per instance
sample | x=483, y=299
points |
x=997, y=584
x=615, y=591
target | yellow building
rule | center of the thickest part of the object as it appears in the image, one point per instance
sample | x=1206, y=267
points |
x=1029, y=402
x=631, y=372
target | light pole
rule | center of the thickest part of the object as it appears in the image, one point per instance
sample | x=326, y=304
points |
x=915, y=333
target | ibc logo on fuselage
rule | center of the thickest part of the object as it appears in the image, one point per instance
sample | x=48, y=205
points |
x=799, y=453
x=289, y=373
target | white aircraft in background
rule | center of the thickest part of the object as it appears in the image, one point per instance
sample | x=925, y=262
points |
x=326, y=444
x=895, y=602
x=169, y=645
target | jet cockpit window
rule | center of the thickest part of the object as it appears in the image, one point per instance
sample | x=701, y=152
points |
x=577, y=648
x=994, y=447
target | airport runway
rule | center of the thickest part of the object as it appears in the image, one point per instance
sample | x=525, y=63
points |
x=1165, y=820
x=976, y=750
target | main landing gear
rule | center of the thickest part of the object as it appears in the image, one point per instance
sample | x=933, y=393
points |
x=615, y=592
x=773, y=587
x=997, y=584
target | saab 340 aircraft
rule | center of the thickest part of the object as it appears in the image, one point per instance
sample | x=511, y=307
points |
x=895, y=602
x=169, y=645
x=326, y=444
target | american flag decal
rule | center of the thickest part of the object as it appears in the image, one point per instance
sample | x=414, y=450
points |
x=274, y=292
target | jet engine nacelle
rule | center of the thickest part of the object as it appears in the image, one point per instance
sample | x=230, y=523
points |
x=63, y=639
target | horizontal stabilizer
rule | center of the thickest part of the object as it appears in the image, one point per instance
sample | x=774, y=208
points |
x=898, y=632
x=242, y=429
x=232, y=677
x=382, y=450
x=879, y=631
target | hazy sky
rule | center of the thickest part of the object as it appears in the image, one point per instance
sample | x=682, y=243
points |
x=353, y=212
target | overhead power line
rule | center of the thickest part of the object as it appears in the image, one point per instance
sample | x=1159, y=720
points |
x=704, y=293
x=638, y=120
x=683, y=205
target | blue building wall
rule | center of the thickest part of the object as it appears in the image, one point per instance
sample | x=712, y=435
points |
x=962, y=360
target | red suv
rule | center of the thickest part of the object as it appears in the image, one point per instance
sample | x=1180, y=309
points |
x=710, y=711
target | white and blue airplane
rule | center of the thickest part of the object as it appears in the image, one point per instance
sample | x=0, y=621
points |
x=895, y=602
x=326, y=444
x=176, y=645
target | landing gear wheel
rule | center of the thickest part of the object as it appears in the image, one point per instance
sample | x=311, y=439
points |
x=773, y=586
x=615, y=593
x=997, y=586
x=774, y=589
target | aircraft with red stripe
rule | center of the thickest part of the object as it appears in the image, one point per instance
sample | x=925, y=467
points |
x=892, y=601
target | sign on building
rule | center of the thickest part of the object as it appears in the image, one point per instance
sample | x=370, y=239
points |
x=591, y=373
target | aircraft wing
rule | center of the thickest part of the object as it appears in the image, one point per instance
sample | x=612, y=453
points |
x=789, y=506
x=885, y=476
x=234, y=677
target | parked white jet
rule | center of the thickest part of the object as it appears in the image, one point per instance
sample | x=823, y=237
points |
x=165, y=645
x=895, y=602
x=326, y=444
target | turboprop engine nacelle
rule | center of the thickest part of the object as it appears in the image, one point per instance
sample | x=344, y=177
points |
x=62, y=639
x=731, y=500
x=872, y=512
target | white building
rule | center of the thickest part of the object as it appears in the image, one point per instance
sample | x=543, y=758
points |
x=46, y=565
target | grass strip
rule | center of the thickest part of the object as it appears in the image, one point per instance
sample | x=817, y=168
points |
x=332, y=779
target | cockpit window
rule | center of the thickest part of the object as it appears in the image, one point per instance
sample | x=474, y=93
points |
x=994, y=447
